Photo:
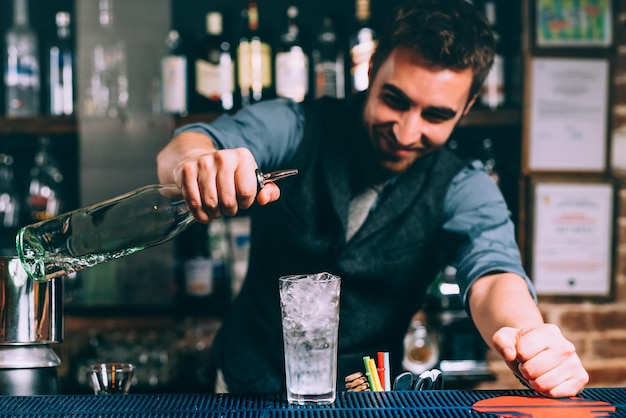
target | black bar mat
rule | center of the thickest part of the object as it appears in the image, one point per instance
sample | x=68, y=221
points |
x=593, y=402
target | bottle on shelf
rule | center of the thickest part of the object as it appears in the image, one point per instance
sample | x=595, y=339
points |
x=174, y=76
x=44, y=198
x=107, y=94
x=291, y=61
x=492, y=93
x=488, y=158
x=328, y=62
x=9, y=199
x=254, y=59
x=362, y=45
x=197, y=265
x=214, y=69
x=421, y=351
x=10, y=206
x=21, y=65
x=221, y=256
x=61, y=69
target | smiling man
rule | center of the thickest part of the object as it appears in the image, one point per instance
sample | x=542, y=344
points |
x=379, y=201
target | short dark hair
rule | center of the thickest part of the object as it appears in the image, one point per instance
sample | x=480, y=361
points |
x=447, y=33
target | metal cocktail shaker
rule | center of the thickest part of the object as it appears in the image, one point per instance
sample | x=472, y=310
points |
x=31, y=318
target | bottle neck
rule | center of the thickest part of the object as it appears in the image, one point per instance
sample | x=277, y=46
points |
x=63, y=25
x=362, y=11
x=253, y=17
x=63, y=32
x=214, y=24
x=105, y=15
x=20, y=12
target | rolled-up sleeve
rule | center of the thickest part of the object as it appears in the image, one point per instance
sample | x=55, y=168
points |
x=480, y=225
x=271, y=130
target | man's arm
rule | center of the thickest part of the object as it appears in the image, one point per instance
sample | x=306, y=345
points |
x=508, y=319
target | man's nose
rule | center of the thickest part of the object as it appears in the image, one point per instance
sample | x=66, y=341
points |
x=409, y=129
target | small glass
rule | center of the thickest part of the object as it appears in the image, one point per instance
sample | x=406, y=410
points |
x=310, y=321
x=111, y=378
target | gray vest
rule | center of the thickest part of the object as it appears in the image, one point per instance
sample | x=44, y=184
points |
x=385, y=268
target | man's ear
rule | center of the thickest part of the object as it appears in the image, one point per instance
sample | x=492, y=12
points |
x=469, y=105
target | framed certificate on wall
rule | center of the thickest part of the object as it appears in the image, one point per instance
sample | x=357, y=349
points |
x=568, y=117
x=572, y=237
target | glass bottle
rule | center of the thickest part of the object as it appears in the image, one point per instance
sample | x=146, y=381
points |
x=254, y=59
x=214, y=68
x=174, y=76
x=328, y=62
x=421, y=352
x=362, y=45
x=492, y=93
x=197, y=264
x=21, y=65
x=107, y=95
x=103, y=231
x=109, y=230
x=9, y=200
x=61, y=69
x=488, y=158
x=291, y=62
x=44, y=188
x=221, y=256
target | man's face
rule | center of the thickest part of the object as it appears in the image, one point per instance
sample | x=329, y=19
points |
x=412, y=108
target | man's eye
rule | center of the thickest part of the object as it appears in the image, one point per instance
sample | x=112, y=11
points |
x=436, y=116
x=395, y=101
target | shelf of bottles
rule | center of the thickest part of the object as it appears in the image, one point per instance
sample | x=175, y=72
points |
x=225, y=55
x=231, y=54
x=38, y=146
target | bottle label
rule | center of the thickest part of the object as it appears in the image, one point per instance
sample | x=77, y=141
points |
x=329, y=79
x=198, y=276
x=260, y=64
x=21, y=79
x=255, y=67
x=212, y=81
x=42, y=207
x=492, y=91
x=24, y=73
x=174, y=88
x=292, y=79
x=61, y=82
x=361, y=55
x=244, y=73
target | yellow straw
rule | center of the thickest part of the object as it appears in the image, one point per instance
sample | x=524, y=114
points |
x=374, y=372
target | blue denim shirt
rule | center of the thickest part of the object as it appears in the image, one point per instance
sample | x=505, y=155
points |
x=474, y=206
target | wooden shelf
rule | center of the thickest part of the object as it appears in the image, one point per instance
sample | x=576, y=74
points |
x=478, y=117
x=38, y=125
x=59, y=125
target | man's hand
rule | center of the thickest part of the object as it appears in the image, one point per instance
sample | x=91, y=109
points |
x=214, y=183
x=543, y=358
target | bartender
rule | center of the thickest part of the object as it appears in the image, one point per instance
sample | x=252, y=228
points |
x=378, y=201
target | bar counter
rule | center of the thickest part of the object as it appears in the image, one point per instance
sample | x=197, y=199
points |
x=593, y=402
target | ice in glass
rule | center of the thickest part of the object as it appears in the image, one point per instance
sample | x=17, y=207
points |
x=310, y=319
